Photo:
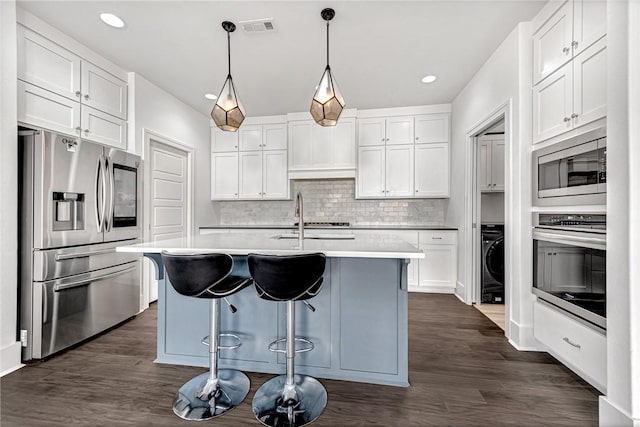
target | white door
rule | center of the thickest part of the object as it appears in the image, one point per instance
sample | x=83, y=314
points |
x=250, y=177
x=275, y=181
x=399, y=170
x=432, y=170
x=552, y=43
x=224, y=176
x=590, y=84
x=497, y=165
x=484, y=165
x=371, y=172
x=250, y=138
x=553, y=104
x=399, y=130
x=371, y=132
x=169, y=197
x=103, y=91
x=432, y=128
x=589, y=23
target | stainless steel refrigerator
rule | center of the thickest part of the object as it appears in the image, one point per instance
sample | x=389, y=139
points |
x=78, y=201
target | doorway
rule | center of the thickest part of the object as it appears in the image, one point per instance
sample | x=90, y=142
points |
x=169, y=197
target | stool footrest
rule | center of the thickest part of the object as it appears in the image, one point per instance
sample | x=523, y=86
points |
x=273, y=346
x=205, y=341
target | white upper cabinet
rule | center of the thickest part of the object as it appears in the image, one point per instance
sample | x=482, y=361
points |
x=432, y=170
x=553, y=104
x=569, y=31
x=222, y=141
x=497, y=165
x=322, y=152
x=371, y=131
x=590, y=84
x=274, y=137
x=250, y=181
x=399, y=170
x=432, y=128
x=275, y=180
x=371, y=172
x=45, y=64
x=47, y=73
x=399, y=130
x=491, y=164
x=250, y=138
x=224, y=176
x=103, y=91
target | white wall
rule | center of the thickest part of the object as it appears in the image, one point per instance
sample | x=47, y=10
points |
x=9, y=347
x=504, y=79
x=155, y=110
x=621, y=406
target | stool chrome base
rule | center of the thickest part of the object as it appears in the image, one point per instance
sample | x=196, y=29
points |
x=233, y=387
x=270, y=409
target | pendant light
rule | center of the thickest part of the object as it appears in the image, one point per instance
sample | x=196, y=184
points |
x=327, y=102
x=228, y=112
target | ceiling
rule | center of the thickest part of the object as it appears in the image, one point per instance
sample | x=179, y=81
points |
x=380, y=50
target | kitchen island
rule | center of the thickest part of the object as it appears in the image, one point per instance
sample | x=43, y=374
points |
x=359, y=327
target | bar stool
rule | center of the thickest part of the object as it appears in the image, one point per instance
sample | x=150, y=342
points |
x=212, y=393
x=289, y=400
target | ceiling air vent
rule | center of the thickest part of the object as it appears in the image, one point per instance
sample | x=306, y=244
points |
x=258, y=25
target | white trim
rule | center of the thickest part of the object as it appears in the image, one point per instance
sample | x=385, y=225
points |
x=305, y=115
x=521, y=348
x=612, y=416
x=10, y=357
x=433, y=289
x=322, y=173
x=574, y=133
x=147, y=136
x=521, y=337
x=39, y=26
x=405, y=111
x=460, y=298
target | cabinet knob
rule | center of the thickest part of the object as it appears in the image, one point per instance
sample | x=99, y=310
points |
x=416, y=191
x=565, y=50
x=78, y=129
x=87, y=131
x=86, y=97
x=387, y=139
x=417, y=138
x=235, y=194
x=566, y=119
x=382, y=139
x=78, y=94
x=574, y=44
x=574, y=115
x=383, y=191
x=235, y=146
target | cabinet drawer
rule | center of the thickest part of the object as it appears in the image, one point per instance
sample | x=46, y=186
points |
x=433, y=237
x=580, y=347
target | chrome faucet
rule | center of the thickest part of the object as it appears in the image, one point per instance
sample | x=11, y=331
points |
x=299, y=215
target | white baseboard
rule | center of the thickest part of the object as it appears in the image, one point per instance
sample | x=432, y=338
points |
x=461, y=292
x=10, y=357
x=612, y=416
x=433, y=289
x=521, y=337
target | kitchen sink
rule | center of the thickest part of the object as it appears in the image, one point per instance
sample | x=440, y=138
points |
x=319, y=236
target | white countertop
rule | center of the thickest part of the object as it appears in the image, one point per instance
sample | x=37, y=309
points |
x=363, y=246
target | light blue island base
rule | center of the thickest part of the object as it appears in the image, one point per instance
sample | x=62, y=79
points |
x=359, y=327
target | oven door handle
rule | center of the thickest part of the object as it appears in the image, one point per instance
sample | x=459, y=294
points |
x=572, y=240
x=85, y=282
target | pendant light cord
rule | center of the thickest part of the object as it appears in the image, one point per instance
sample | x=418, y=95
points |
x=229, y=51
x=327, y=43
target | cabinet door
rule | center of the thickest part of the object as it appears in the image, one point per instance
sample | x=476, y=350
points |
x=438, y=268
x=275, y=182
x=250, y=139
x=103, y=91
x=497, y=165
x=274, y=137
x=432, y=170
x=553, y=104
x=222, y=141
x=47, y=65
x=344, y=144
x=484, y=165
x=399, y=170
x=299, y=145
x=45, y=109
x=224, y=176
x=590, y=84
x=250, y=178
x=589, y=23
x=371, y=132
x=103, y=128
x=399, y=130
x=432, y=128
x=552, y=43
x=321, y=149
x=371, y=172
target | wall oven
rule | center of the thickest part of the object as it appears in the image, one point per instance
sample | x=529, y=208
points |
x=573, y=172
x=569, y=263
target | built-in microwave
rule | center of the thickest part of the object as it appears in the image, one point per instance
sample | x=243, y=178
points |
x=572, y=172
x=569, y=263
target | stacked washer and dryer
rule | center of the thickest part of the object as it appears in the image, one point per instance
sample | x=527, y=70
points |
x=492, y=290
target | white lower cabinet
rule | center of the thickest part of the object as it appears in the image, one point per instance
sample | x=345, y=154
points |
x=438, y=270
x=580, y=347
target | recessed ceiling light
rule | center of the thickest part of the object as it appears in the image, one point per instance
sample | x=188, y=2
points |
x=112, y=20
x=429, y=79
x=210, y=96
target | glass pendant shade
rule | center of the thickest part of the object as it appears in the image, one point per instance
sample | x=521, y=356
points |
x=327, y=102
x=228, y=112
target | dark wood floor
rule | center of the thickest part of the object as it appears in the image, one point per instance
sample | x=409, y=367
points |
x=462, y=372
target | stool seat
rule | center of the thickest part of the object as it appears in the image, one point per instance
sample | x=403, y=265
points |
x=289, y=400
x=209, y=276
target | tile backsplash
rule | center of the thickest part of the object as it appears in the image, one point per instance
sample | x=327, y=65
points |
x=334, y=200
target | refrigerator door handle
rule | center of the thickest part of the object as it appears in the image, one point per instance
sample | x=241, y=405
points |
x=85, y=282
x=99, y=203
x=110, y=212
